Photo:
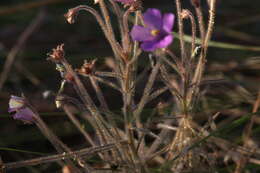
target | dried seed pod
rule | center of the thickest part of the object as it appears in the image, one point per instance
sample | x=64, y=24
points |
x=87, y=68
x=57, y=54
x=71, y=15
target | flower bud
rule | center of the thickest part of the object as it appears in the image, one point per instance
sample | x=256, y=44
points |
x=71, y=15
x=57, y=54
x=87, y=68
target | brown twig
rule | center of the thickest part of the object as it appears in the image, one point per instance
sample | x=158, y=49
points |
x=29, y=75
x=187, y=14
x=77, y=124
x=181, y=32
x=200, y=18
x=83, y=152
x=27, y=6
x=10, y=59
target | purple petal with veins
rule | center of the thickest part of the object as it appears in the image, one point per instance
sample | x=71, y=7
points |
x=153, y=18
x=140, y=33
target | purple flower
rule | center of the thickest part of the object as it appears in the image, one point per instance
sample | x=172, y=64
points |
x=157, y=30
x=21, y=112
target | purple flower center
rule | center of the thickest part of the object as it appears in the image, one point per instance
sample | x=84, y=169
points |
x=155, y=32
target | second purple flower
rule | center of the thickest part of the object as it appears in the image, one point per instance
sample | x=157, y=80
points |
x=157, y=30
x=17, y=106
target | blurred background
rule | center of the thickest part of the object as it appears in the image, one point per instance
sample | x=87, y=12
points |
x=29, y=29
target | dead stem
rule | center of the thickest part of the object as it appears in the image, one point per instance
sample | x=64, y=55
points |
x=156, y=93
x=27, y=6
x=197, y=77
x=2, y=166
x=96, y=119
x=187, y=13
x=119, y=15
x=105, y=28
x=155, y=145
x=184, y=137
x=201, y=24
x=107, y=19
x=111, y=36
x=210, y=25
x=126, y=40
x=147, y=89
x=53, y=158
x=99, y=93
x=108, y=74
x=108, y=83
x=28, y=74
x=86, y=135
x=59, y=145
x=76, y=122
x=240, y=165
x=10, y=59
x=171, y=83
x=181, y=33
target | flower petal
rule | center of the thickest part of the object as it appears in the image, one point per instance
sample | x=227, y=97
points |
x=140, y=33
x=25, y=115
x=16, y=102
x=153, y=18
x=165, y=42
x=168, y=21
x=149, y=46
